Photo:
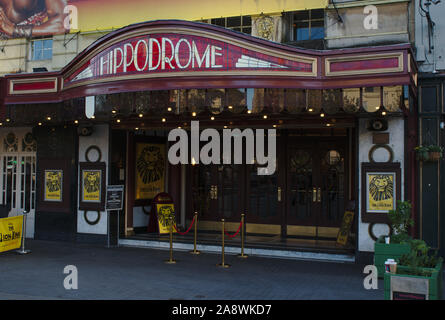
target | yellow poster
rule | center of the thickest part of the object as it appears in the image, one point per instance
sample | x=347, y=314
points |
x=92, y=184
x=381, y=197
x=10, y=233
x=164, y=212
x=53, y=185
x=150, y=170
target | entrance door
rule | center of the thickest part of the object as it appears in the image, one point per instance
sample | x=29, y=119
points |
x=304, y=197
x=227, y=191
x=18, y=177
x=316, y=185
x=217, y=192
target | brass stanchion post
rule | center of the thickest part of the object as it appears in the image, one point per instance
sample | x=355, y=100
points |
x=171, y=261
x=222, y=264
x=242, y=255
x=22, y=249
x=195, y=236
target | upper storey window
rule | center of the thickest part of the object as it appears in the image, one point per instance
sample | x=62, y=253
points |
x=308, y=25
x=41, y=49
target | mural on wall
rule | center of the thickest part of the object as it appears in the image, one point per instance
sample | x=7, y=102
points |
x=32, y=18
x=150, y=170
x=53, y=185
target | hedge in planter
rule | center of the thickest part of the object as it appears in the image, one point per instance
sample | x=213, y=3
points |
x=400, y=221
x=419, y=275
x=383, y=252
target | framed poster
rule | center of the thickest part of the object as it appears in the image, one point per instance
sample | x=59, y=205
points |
x=150, y=168
x=53, y=185
x=380, y=190
x=92, y=186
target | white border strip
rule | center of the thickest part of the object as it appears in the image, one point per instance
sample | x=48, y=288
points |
x=269, y=253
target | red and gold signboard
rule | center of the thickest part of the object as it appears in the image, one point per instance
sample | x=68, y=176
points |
x=167, y=54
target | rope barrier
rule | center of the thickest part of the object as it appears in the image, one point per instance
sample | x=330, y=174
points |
x=236, y=233
x=184, y=233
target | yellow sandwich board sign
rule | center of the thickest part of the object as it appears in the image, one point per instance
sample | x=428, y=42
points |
x=165, y=211
x=343, y=233
x=11, y=233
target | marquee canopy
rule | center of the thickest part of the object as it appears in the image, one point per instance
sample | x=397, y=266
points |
x=171, y=54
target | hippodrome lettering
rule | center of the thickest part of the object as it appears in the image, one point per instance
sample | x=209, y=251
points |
x=154, y=54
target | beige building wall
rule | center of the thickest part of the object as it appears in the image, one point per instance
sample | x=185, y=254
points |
x=393, y=23
x=15, y=54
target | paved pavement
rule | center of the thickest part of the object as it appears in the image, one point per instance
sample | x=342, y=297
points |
x=135, y=273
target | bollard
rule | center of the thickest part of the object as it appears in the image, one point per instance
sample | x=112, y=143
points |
x=195, y=236
x=171, y=261
x=22, y=249
x=242, y=255
x=222, y=264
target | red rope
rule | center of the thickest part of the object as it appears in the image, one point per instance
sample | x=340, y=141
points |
x=236, y=233
x=181, y=233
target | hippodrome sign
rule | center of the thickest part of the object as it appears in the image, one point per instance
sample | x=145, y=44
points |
x=160, y=54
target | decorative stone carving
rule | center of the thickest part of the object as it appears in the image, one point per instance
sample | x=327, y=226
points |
x=267, y=27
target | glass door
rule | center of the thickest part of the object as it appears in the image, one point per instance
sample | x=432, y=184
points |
x=18, y=178
x=316, y=186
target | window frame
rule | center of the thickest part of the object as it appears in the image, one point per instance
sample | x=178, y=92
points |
x=244, y=24
x=32, y=56
x=310, y=21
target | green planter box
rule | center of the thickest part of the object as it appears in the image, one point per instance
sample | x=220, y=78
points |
x=383, y=251
x=435, y=285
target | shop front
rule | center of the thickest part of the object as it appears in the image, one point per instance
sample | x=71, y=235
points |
x=106, y=118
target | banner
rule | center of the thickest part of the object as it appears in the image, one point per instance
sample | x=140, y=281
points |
x=164, y=212
x=53, y=185
x=11, y=233
x=96, y=15
x=29, y=19
x=150, y=170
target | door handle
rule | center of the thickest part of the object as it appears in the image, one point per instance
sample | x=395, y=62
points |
x=214, y=192
x=314, y=194
x=279, y=194
x=319, y=195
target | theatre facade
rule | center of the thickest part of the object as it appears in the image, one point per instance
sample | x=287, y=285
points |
x=344, y=120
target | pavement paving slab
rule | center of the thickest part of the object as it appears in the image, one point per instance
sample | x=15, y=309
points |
x=128, y=273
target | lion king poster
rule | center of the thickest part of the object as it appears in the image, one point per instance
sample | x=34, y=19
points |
x=381, y=192
x=91, y=188
x=165, y=211
x=53, y=185
x=150, y=170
